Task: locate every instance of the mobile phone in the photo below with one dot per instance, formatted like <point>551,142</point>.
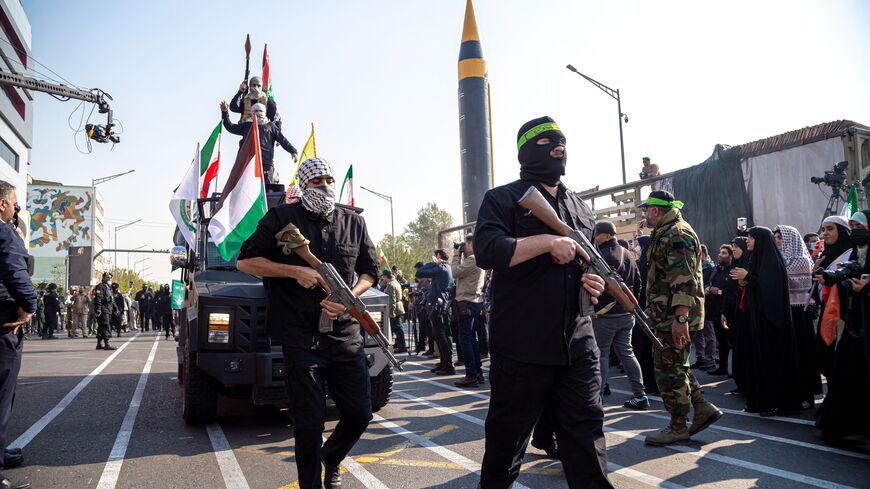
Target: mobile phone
<point>742,222</point>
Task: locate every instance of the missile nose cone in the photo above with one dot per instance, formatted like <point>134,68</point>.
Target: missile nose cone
<point>469,28</point>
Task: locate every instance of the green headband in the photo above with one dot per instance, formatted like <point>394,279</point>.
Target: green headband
<point>674,204</point>
<point>531,133</point>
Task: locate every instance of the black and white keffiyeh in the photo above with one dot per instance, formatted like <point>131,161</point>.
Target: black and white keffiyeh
<point>319,200</point>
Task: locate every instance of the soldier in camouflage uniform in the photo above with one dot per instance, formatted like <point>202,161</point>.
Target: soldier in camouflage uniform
<point>675,296</point>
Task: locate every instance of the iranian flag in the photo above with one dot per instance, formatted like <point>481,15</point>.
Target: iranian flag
<point>347,184</point>
<point>851,205</point>
<point>243,200</point>
<point>384,256</point>
<point>183,201</point>
<point>267,74</point>
<point>209,160</point>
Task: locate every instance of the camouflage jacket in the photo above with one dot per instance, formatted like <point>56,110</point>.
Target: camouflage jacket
<point>675,273</point>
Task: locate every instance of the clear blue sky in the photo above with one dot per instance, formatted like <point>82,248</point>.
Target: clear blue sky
<point>378,79</point>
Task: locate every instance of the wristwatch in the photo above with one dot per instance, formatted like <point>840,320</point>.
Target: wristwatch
<point>682,319</point>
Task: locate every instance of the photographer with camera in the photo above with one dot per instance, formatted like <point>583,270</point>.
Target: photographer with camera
<point>828,298</point>
<point>843,412</point>
<point>469,302</point>
<point>437,303</point>
<point>425,341</point>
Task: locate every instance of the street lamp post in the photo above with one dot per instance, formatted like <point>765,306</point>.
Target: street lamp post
<point>615,94</point>
<point>128,254</point>
<point>118,228</point>
<point>392,222</point>
<point>94,183</point>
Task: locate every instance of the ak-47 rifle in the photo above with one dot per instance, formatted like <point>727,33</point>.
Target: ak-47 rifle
<point>292,241</point>
<point>247,62</point>
<point>614,284</point>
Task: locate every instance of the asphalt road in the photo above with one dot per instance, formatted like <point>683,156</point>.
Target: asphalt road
<point>91,418</point>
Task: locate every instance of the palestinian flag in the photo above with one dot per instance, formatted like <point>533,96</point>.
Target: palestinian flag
<point>309,151</point>
<point>267,74</point>
<point>243,200</point>
<point>348,184</point>
<point>209,160</point>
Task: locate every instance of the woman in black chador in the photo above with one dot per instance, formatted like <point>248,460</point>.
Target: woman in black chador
<point>767,337</point>
<point>735,318</point>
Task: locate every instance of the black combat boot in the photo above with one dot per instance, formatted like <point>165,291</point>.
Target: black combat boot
<point>108,346</point>
<point>99,344</point>
<point>331,477</point>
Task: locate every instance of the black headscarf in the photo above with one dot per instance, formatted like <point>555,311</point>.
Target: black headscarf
<point>743,261</point>
<point>843,244</point>
<point>536,164</point>
<point>767,268</point>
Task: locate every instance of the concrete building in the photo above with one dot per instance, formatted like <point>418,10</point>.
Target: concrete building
<point>16,104</point>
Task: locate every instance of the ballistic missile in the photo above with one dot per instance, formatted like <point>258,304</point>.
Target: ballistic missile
<point>475,131</point>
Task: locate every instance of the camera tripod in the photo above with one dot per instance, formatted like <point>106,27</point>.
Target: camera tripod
<point>835,203</point>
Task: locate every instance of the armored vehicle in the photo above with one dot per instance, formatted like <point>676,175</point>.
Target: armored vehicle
<point>223,347</point>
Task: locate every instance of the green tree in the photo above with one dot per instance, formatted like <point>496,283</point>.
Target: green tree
<point>430,220</point>
<point>128,280</point>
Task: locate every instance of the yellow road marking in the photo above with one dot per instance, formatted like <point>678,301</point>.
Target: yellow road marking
<point>382,456</point>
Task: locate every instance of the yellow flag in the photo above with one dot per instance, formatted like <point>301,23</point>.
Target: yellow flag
<point>309,151</point>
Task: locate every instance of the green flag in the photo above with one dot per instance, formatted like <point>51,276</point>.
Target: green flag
<point>177,294</point>
<point>851,206</point>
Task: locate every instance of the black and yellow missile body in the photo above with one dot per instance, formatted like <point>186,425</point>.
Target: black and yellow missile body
<point>475,131</point>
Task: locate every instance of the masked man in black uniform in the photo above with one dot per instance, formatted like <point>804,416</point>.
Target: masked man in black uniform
<point>120,305</point>
<point>270,135</point>
<point>141,297</point>
<point>542,345</point>
<point>340,237</point>
<point>104,309</point>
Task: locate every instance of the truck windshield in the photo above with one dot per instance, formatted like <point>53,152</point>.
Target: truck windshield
<point>213,260</point>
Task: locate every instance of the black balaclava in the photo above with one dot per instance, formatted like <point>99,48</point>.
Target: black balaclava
<point>536,164</point>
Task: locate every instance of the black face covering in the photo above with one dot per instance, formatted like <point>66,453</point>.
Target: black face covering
<point>536,164</point>
<point>860,237</point>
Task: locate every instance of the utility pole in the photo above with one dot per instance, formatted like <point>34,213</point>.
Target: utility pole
<point>392,222</point>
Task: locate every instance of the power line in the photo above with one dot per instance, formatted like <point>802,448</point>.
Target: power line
<point>28,55</point>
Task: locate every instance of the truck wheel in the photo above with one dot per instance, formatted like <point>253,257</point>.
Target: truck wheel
<point>199,393</point>
<point>382,388</point>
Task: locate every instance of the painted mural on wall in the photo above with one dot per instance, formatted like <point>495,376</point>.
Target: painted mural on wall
<point>60,218</point>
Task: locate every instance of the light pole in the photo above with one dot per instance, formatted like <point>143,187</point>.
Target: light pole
<point>615,94</point>
<point>128,254</point>
<point>392,222</point>
<point>94,183</point>
<point>118,228</point>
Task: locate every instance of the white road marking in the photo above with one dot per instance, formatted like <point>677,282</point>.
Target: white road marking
<point>737,412</point>
<point>116,457</point>
<point>28,436</point>
<point>612,467</point>
<point>752,434</point>
<point>462,461</point>
<point>226,459</point>
<point>704,454</point>
<point>696,452</point>
<point>369,481</point>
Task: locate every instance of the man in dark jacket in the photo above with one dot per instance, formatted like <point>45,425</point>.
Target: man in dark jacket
<point>542,344</point>
<point>613,324</point>
<point>52,312</point>
<point>17,305</point>
<point>714,294</point>
<point>104,310</point>
<point>120,308</point>
<point>436,303</point>
<point>269,134</point>
<point>142,299</point>
<point>164,310</point>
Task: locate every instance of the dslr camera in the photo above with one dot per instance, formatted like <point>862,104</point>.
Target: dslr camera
<point>847,270</point>
<point>460,247</point>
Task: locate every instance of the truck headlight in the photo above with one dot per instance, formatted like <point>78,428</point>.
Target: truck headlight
<point>218,327</point>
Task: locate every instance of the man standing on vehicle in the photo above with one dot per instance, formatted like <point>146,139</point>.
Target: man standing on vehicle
<point>339,237</point>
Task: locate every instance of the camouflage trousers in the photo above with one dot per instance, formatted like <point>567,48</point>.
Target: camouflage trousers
<point>678,387</point>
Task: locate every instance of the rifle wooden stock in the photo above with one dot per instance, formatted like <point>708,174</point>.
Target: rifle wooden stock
<point>534,201</point>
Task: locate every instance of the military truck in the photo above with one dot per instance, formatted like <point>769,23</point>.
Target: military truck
<point>223,347</point>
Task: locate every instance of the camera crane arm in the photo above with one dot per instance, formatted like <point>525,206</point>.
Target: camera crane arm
<point>94,96</point>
